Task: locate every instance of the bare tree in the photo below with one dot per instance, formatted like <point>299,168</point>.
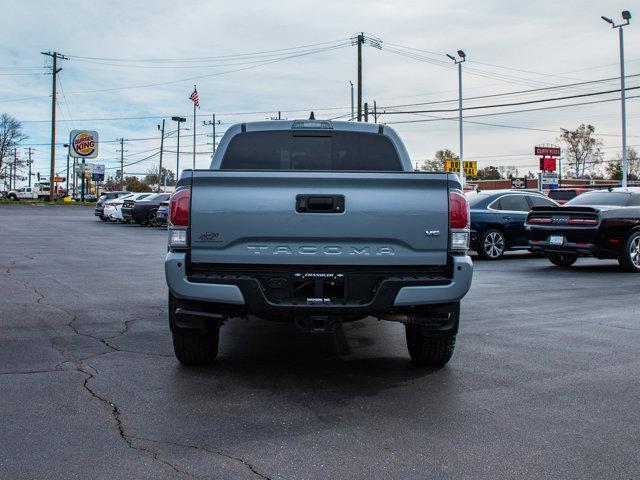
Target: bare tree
<point>508,171</point>
<point>437,164</point>
<point>584,151</point>
<point>152,177</point>
<point>614,168</point>
<point>10,138</point>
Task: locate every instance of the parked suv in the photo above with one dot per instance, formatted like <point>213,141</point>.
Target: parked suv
<point>316,223</point>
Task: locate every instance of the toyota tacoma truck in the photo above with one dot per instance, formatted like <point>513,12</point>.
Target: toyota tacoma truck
<point>316,222</point>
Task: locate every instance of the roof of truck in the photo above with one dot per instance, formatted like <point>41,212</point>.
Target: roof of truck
<point>318,124</point>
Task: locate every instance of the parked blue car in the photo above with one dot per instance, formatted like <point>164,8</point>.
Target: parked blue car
<point>497,220</point>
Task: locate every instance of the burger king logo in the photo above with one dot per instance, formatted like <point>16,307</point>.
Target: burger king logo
<point>84,144</point>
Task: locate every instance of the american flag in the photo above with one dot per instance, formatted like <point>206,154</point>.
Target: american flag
<point>194,97</point>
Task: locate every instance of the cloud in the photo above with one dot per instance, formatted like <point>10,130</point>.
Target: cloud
<point>566,40</point>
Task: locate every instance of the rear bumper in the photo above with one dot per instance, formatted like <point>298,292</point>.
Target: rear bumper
<point>393,292</point>
<point>568,248</point>
<point>576,241</point>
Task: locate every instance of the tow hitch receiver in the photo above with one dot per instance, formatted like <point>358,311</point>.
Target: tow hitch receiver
<point>316,324</point>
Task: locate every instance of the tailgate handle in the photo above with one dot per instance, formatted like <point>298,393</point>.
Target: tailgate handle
<point>320,203</point>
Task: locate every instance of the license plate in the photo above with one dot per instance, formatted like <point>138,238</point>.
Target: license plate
<point>556,239</point>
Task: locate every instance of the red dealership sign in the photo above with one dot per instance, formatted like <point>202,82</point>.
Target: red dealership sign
<point>547,151</point>
<point>548,164</point>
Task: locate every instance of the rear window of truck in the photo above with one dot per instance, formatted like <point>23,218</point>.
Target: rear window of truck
<point>311,151</point>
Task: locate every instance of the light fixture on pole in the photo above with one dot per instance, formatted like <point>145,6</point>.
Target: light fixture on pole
<point>462,57</point>
<point>179,120</point>
<point>626,16</point>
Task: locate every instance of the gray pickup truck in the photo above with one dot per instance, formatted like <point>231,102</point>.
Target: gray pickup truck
<point>316,222</point>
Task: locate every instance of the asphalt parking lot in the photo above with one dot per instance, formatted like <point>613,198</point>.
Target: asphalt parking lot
<point>543,384</point>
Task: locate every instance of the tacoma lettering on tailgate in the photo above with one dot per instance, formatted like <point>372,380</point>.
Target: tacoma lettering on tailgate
<point>313,250</point>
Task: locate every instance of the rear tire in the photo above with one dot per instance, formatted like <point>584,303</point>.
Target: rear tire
<point>492,245</point>
<point>429,350</point>
<point>151,220</point>
<point>560,260</point>
<point>13,197</point>
<point>196,348</point>
<point>629,258</point>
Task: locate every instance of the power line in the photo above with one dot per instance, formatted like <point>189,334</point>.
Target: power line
<point>269,62</point>
<point>518,92</point>
<point>499,105</point>
<point>190,59</point>
<point>433,118</point>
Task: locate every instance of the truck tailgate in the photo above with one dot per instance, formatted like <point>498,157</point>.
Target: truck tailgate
<point>260,217</point>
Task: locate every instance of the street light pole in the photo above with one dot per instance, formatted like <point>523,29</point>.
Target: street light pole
<point>459,61</point>
<point>626,16</point>
<point>179,120</point>
<point>66,145</point>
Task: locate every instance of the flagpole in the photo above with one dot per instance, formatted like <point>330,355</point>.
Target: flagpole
<point>194,131</point>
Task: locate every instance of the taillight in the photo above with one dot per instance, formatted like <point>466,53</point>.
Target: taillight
<point>582,221</point>
<point>458,210</point>
<point>179,208</point>
<point>459,221</point>
<point>540,220</point>
<point>179,218</point>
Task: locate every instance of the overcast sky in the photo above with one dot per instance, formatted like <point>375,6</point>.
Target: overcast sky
<point>510,46</point>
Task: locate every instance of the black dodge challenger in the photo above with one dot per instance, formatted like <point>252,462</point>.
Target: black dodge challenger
<point>600,224</point>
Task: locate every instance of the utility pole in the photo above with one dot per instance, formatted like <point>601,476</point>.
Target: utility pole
<point>352,105</point>
<point>375,112</point>
<point>179,120</point>
<point>29,167</point>
<point>459,61</point>
<point>121,164</point>
<point>54,72</point>
<point>366,112</point>
<point>626,16</point>
<point>15,166</point>
<point>194,130</point>
<point>213,125</point>
<point>360,41</point>
<point>161,149</point>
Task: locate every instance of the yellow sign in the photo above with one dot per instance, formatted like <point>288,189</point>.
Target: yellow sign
<point>470,167</point>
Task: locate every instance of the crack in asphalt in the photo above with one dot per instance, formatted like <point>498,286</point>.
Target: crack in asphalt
<point>239,460</point>
<point>116,415</point>
<point>79,365</point>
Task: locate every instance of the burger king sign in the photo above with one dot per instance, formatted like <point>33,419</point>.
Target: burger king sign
<point>83,144</point>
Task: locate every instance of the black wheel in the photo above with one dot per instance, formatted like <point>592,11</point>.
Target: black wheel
<point>196,348</point>
<point>492,245</point>
<point>103,218</point>
<point>630,255</point>
<point>562,260</point>
<point>193,347</point>
<point>151,219</point>
<point>13,197</point>
<point>428,350</point>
